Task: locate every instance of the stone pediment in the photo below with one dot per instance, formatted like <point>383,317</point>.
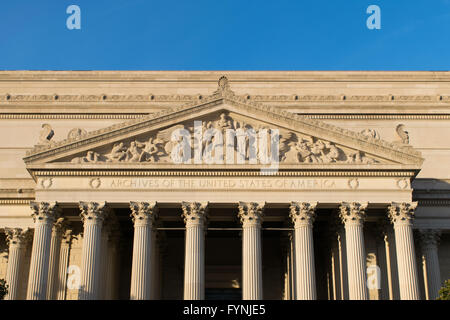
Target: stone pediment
<point>148,140</point>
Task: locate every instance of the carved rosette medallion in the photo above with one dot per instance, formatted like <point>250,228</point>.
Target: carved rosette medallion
<point>353,213</point>
<point>194,213</point>
<point>143,213</point>
<point>402,213</point>
<point>251,213</point>
<point>353,183</point>
<point>402,183</point>
<point>302,213</point>
<point>95,183</point>
<point>46,183</point>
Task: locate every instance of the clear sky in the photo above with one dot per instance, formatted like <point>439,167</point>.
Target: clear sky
<point>225,35</point>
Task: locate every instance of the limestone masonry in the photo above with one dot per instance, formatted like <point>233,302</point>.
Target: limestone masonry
<point>93,204</point>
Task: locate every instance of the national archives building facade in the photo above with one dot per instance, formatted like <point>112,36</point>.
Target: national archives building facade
<point>94,205</point>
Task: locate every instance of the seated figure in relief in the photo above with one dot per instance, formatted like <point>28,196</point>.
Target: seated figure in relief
<point>118,153</point>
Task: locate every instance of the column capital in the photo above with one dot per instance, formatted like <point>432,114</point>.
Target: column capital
<point>429,237</point>
<point>93,212</point>
<point>194,213</point>
<point>251,213</point>
<point>353,213</point>
<point>402,213</point>
<point>381,230</point>
<point>68,236</point>
<point>18,236</point>
<point>302,213</point>
<point>44,212</point>
<point>60,225</point>
<point>143,213</point>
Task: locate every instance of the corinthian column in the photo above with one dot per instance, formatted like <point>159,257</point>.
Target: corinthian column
<point>17,240</point>
<point>402,215</point>
<point>44,215</point>
<point>63,264</point>
<point>353,215</point>
<point>143,216</point>
<point>92,215</point>
<point>429,240</point>
<point>113,261</point>
<point>302,215</point>
<point>250,214</point>
<point>53,267</point>
<point>194,215</point>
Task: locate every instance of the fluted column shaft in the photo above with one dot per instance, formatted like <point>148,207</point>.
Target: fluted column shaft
<point>155,267</point>
<point>53,266</point>
<point>17,239</point>
<point>429,244</point>
<point>63,264</point>
<point>353,215</point>
<point>104,266</point>
<point>302,215</point>
<point>44,215</point>
<point>93,215</point>
<point>251,215</point>
<point>402,215</point>
<point>143,214</point>
<point>194,215</point>
<point>111,277</point>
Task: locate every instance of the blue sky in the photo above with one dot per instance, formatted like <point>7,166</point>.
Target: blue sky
<point>225,35</point>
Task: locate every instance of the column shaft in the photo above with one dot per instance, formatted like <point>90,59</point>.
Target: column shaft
<point>44,215</point>
<point>17,239</point>
<point>53,268</point>
<point>302,215</point>
<point>93,215</point>
<point>429,244</point>
<point>143,214</point>
<point>251,219</point>
<point>401,215</point>
<point>353,215</point>
<point>63,265</point>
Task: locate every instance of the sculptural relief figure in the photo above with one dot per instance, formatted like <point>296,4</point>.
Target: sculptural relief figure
<point>118,153</point>
<point>293,147</point>
<point>333,153</point>
<point>371,133</point>
<point>224,122</point>
<point>313,150</point>
<point>133,152</point>
<point>359,157</point>
<point>304,152</point>
<point>76,133</point>
<point>91,156</point>
<point>152,150</point>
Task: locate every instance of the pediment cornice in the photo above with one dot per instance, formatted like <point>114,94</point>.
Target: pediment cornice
<point>395,153</point>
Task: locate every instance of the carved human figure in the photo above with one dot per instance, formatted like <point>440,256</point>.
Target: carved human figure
<point>91,156</point>
<point>318,149</point>
<point>152,150</point>
<point>304,152</point>
<point>333,153</point>
<point>118,153</point>
<point>224,122</point>
<point>133,152</point>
